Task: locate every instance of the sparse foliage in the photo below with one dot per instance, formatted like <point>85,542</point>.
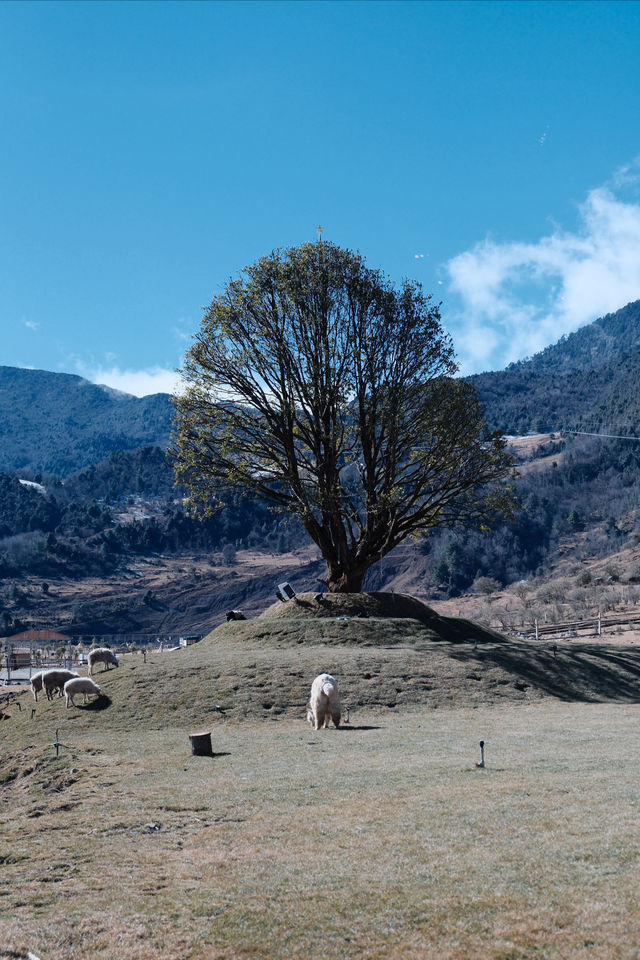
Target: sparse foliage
<point>229,554</point>
<point>485,585</point>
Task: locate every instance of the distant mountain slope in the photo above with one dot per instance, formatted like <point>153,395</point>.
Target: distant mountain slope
<point>59,423</point>
<point>125,473</point>
<point>587,380</point>
<point>593,346</point>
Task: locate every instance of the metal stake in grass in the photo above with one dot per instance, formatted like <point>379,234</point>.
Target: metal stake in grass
<point>481,764</point>
<point>56,743</point>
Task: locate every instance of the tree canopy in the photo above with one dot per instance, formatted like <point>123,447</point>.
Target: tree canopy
<point>316,384</point>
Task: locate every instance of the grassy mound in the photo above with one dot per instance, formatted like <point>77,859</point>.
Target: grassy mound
<point>361,605</point>
<point>263,668</point>
<point>364,619</point>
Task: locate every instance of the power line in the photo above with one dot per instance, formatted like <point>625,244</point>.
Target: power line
<point>605,436</point>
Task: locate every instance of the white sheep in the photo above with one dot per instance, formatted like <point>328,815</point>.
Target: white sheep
<point>36,684</point>
<point>101,655</point>
<point>324,703</point>
<point>53,680</point>
<point>83,685</point>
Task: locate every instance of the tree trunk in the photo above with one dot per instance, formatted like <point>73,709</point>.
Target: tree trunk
<point>345,581</point>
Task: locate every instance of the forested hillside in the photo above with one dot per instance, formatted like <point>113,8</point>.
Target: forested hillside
<point>58,423</point>
<point>586,381</point>
<point>128,505</point>
<point>67,511</point>
<point>596,345</point>
<point>583,499</point>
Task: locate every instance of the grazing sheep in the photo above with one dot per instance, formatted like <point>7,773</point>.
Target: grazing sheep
<point>36,684</point>
<point>235,615</point>
<point>324,703</point>
<point>53,680</point>
<point>101,655</point>
<point>81,685</point>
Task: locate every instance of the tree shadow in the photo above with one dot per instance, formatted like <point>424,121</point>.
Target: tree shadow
<point>301,602</point>
<point>588,673</point>
<point>461,630</point>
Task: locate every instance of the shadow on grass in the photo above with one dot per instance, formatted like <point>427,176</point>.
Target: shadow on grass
<point>461,630</point>
<point>358,728</point>
<point>588,673</point>
<point>103,702</point>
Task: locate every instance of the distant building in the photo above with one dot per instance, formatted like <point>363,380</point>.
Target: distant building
<point>21,647</point>
<point>37,637</point>
<point>190,639</point>
<point>19,658</point>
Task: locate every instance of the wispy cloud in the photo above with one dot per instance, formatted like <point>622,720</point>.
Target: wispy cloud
<point>139,383</point>
<point>183,330</point>
<point>31,324</point>
<point>516,298</point>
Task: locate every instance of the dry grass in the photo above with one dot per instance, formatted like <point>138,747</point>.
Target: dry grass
<point>380,840</point>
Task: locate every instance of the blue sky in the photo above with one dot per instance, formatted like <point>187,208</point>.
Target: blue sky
<point>151,150</point>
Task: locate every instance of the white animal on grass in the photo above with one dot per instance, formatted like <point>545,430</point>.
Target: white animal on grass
<point>324,704</point>
<point>36,684</point>
<point>53,680</point>
<point>101,655</point>
<point>83,685</point>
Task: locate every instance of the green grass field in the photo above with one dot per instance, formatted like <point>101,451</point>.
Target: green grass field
<point>379,840</point>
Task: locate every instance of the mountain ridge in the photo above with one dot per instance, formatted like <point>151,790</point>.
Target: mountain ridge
<point>59,423</point>
<point>587,380</point>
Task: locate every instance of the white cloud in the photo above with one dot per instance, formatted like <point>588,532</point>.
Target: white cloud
<point>140,383</point>
<point>31,324</point>
<point>517,298</point>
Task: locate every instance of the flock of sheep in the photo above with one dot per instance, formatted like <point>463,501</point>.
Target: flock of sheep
<point>324,703</point>
<point>68,682</point>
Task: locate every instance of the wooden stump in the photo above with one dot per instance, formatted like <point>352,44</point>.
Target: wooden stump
<point>201,744</point>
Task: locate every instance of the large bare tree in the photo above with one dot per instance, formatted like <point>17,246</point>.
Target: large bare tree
<point>316,384</point>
